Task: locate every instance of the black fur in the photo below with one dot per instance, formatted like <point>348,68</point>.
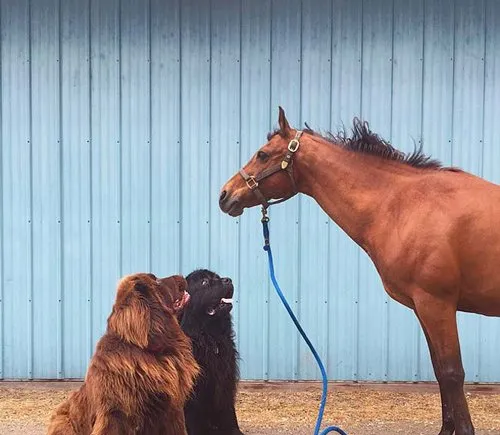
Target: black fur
<point>207,321</point>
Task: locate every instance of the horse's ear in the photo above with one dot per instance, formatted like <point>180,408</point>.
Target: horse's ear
<point>284,126</point>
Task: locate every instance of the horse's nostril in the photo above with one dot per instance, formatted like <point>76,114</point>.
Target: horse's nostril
<point>226,280</point>
<point>222,195</point>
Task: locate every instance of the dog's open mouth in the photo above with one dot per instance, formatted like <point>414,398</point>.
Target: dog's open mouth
<point>179,304</point>
<point>225,304</point>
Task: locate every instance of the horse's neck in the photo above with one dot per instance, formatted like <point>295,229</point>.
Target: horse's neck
<point>348,186</point>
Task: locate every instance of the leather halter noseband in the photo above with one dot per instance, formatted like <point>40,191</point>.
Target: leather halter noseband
<point>286,165</point>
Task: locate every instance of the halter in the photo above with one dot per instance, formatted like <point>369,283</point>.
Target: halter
<point>286,164</point>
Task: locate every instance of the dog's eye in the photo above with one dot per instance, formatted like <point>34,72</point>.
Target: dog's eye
<point>204,283</point>
<point>262,156</point>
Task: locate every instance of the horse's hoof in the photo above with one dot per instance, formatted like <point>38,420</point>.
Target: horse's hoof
<point>447,430</point>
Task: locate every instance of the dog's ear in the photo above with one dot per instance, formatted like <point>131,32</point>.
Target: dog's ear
<point>131,316</point>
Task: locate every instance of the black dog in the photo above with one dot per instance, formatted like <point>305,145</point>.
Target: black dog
<point>207,321</point>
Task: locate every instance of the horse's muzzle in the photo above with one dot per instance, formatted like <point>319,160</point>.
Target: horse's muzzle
<point>229,205</point>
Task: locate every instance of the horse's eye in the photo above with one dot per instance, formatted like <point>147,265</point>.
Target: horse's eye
<point>204,283</point>
<point>263,156</point>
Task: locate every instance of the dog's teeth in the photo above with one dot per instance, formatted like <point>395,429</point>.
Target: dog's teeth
<point>227,301</point>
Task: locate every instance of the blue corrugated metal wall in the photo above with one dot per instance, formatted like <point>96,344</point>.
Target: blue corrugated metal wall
<point>121,119</point>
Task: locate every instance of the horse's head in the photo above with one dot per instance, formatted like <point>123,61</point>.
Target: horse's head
<point>267,175</point>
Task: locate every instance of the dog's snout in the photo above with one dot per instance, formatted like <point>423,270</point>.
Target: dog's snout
<point>226,281</point>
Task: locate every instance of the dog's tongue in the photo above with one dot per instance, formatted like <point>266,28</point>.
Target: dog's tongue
<point>227,300</point>
<point>180,303</point>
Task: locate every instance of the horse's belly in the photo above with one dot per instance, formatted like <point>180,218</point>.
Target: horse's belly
<point>480,301</point>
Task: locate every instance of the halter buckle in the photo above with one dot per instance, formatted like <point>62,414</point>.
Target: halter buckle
<point>293,145</point>
<point>252,183</point>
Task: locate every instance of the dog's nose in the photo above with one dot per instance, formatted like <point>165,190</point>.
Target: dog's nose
<point>226,281</point>
<point>222,196</point>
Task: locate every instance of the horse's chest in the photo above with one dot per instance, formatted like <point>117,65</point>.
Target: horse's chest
<point>399,296</point>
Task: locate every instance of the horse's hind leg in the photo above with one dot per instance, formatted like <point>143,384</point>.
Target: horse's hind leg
<point>438,319</point>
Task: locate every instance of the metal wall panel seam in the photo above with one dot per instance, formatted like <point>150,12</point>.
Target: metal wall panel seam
<point>283,77</point>
<point>438,94</point>
<point>106,175</point>
<point>255,68</point>
<point>296,363</point>
<point>31,281</point>
<point>481,169</point>
<point>452,131</point>
<point>196,71</point>
<point>16,189</point>
<point>481,173</point>
<point>165,141</point>
<point>377,106</point>
<point>485,35</point>
<point>345,91</point>
<point>326,358</point>
<point>362,36</point>
<point>91,232</point>
<point>406,122</point>
<point>265,332</point>
<point>210,132</point>
<point>91,217</point>
<point>240,90</point>
<point>46,219</point>
<point>135,140</point>
<point>179,210</point>
<point>391,129</point>
<point>417,329</point>
<point>356,356</point>
<point>2,341</point>
<point>120,136</point>
<point>60,326</point>
<point>150,141</point>
<point>75,184</point>
<point>179,137</point>
<point>469,38</point>
<point>326,336</point>
<point>490,341</point>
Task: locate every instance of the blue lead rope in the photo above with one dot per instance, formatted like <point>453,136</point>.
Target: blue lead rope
<point>267,248</point>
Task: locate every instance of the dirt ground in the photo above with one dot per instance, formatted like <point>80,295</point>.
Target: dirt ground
<point>287,408</point>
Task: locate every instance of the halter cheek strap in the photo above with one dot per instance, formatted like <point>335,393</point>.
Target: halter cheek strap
<point>286,164</point>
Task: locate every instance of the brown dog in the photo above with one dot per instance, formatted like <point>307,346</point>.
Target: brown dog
<point>143,368</point>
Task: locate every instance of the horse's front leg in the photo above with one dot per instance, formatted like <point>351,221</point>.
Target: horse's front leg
<point>448,425</point>
<point>438,320</point>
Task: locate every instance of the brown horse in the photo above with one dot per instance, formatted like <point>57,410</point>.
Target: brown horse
<point>432,232</point>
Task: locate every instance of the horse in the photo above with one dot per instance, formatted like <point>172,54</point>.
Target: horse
<point>431,231</point>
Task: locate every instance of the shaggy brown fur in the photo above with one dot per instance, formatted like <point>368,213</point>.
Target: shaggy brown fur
<point>143,368</point>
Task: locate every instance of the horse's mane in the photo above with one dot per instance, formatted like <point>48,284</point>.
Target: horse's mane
<point>363,140</point>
